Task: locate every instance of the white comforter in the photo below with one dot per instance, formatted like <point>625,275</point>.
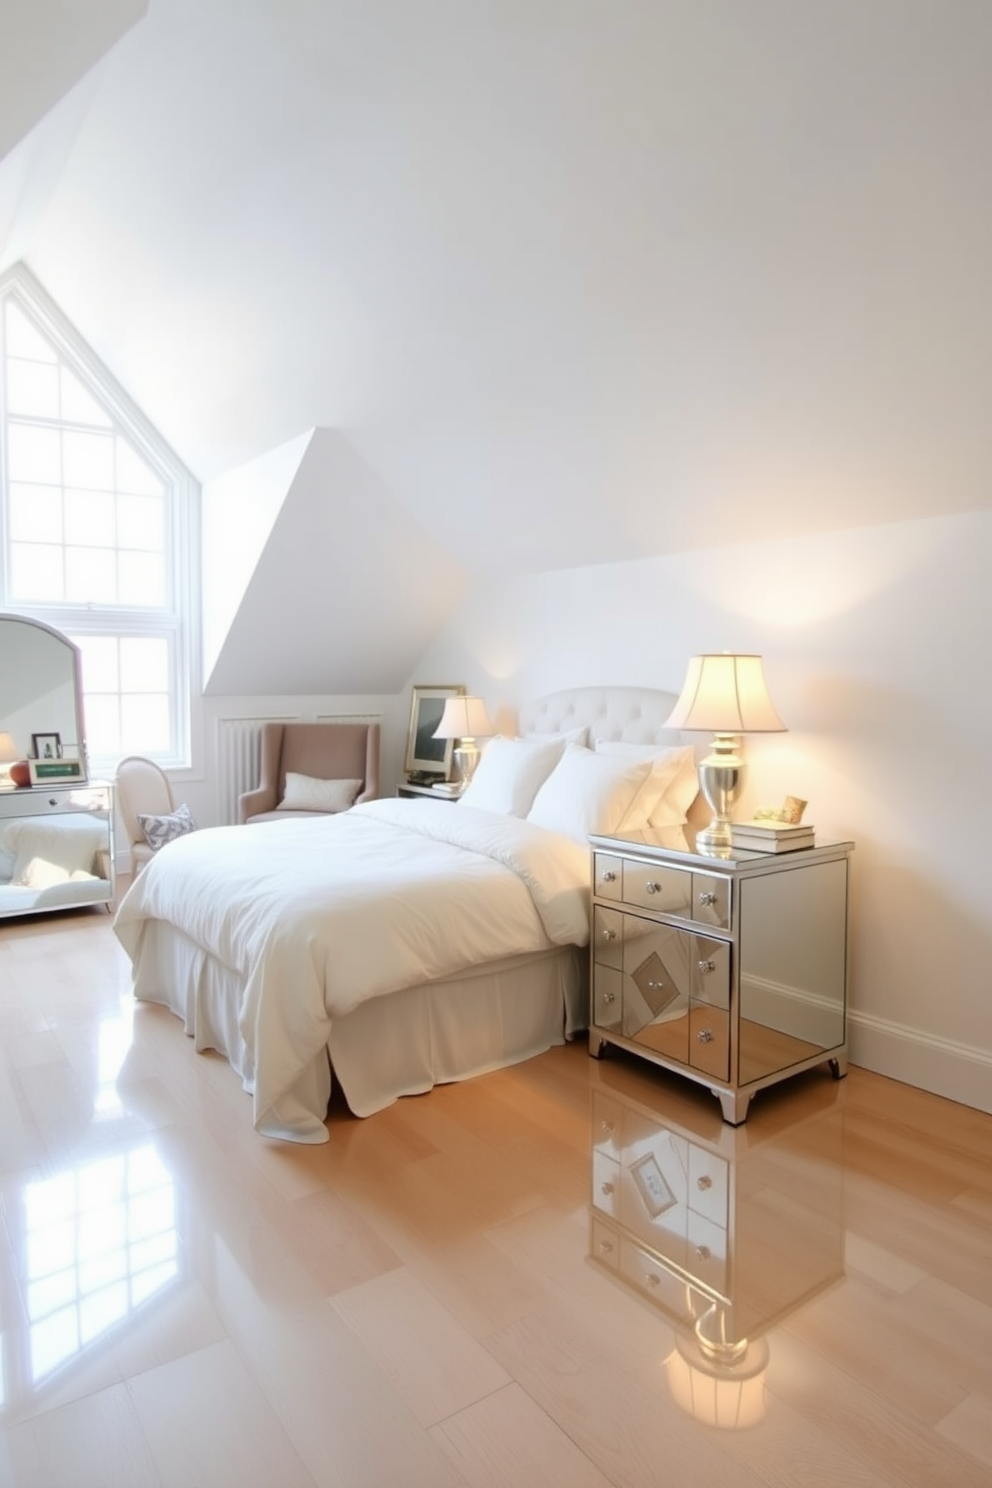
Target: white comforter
<point>318,916</point>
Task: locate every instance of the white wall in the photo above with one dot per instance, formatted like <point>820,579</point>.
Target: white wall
<point>876,654</point>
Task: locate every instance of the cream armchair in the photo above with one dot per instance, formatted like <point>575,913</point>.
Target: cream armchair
<point>320,751</point>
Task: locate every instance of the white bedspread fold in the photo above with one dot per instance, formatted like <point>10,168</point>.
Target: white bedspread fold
<point>320,916</point>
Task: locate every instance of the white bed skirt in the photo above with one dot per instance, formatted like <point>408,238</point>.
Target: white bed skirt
<point>400,1044</point>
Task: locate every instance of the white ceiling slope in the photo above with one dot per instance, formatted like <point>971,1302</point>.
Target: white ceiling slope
<point>348,591</point>
<point>577,281</point>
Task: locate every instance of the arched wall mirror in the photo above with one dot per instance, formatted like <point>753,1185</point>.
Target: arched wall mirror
<point>41,698</point>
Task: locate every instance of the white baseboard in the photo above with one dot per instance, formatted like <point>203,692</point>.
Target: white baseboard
<point>959,1072</point>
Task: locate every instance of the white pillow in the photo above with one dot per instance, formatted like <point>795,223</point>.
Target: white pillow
<point>510,773</point>
<point>307,793</point>
<point>667,793</point>
<point>587,792</point>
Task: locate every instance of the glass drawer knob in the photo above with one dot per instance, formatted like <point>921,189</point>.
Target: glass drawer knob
<point>707,898</point>
<point>605,1246</point>
<point>609,997</point>
<point>609,935</point>
<point>655,986</point>
<point>704,1183</point>
<point>705,966</point>
<point>608,1126</point>
<point>607,1189</point>
<point>652,888</point>
<point>652,1279</point>
<point>704,1036</point>
<point>703,1252</point>
<point>609,876</point>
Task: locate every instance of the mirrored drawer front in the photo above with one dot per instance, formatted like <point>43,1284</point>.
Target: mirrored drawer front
<point>607,936</point>
<point>709,1040</point>
<point>711,900</point>
<point>667,890</point>
<point>607,876</point>
<point>640,1268</point>
<point>706,1253</point>
<point>604,1244</point>
<point>710,971</point>
<point>606,1183</point>
<point>708,1185</point>
<point>607,998</point>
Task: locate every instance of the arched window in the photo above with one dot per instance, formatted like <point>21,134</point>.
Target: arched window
<point>95,521</point>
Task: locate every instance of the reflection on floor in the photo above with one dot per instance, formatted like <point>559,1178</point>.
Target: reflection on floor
<point>569,1273</point>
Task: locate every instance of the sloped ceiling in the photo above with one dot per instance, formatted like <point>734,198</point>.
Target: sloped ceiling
<point>576,281</point>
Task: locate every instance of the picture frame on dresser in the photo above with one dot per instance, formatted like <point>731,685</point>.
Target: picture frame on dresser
<point>426,755</point>
<point>60,771</point>
<point>46,746</point>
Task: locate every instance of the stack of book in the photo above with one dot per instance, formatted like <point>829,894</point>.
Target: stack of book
<point>771,836</point>
<point>448,787</point>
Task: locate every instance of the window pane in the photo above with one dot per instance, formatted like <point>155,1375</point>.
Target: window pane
<point>142,579</point>
<point>90,518</point>
<point>141,522</point>
<point>35,572</point>
<point>133,474</point>
<point>22,338</point>
<point>79,406</point>
<point>35,513</point>
<point>103,728</point>
<point>144,664</point>
<point>88,460</point>
<point>33,454</point>
<point>100,665</point>
<point>145,724</point>
<point>91,576</point>
<point>32,388</point>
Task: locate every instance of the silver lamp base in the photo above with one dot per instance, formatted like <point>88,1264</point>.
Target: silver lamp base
<point>466,758</point>
<point>721,777</point>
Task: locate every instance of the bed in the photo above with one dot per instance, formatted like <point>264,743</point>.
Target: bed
<point>403,943</point>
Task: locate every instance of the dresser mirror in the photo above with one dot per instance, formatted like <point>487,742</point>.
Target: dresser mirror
<point>40,690</point>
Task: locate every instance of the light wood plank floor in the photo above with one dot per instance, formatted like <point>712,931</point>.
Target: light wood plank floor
<point>421,1302</point>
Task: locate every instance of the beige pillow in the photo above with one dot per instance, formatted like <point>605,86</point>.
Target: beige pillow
<point>306,793</point>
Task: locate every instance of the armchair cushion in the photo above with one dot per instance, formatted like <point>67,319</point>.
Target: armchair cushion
<point>305,793</point>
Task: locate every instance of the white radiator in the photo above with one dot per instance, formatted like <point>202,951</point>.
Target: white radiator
<point>239,755</point>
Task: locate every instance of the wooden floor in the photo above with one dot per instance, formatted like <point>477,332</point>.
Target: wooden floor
<point>413,1305</point>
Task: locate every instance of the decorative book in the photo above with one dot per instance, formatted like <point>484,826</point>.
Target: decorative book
<point>768,837</point>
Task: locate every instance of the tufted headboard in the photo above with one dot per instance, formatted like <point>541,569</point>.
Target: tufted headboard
<point>634,714</point>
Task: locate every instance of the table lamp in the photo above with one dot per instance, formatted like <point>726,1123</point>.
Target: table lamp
<point>724,694</point>
<point>465,720</point>
<point>8,754</point>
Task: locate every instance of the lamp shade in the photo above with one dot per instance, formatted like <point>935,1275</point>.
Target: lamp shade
<point>725,694</point>
<point>464,718</point>
<point>8,749</point>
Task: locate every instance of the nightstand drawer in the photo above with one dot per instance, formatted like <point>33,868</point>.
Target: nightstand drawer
<point>607,876</point>
<point>711,900</point>
<point>640,1268</point>
<point>709,1040</point>
<point>606,1184</point>
<point>607,997</point>
<point>708,1185</point>
<point>666,890</point>
<point>607,936</point>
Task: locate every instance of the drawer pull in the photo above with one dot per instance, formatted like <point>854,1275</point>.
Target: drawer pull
<point>703,1252</point>
<point>704,1183</point>
<point>652,1279</point>
<point>609,876</point>
<point>656,986</point>
<point>707,898</point>
<point>609,935</point>
<point>609,997</point>
<point>704,1036</point>
<point>606,1246</point>
<point>606,1189</point>
<point>608,1126</point>
<point>651,887</point>
<point>705,966</point>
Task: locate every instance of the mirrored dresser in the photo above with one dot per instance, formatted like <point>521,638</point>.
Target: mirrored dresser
<point>732,970</point>
<point>56,825</point>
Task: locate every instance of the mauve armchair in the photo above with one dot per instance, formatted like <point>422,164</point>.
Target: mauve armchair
<point>320,751</point>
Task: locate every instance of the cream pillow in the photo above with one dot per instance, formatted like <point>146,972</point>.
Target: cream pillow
<point>307,793</point>
<point>670,788</point>
<point>587,792</point>
<point>510,773</point>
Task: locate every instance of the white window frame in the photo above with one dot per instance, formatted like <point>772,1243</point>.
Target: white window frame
<point>178,620</point>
